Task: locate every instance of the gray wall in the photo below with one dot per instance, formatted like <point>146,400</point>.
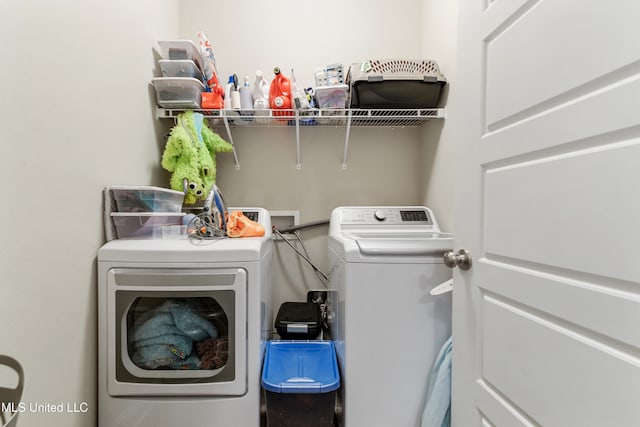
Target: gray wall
<point>438,165</point>
<point>76,113</point>
<point>384,165</point>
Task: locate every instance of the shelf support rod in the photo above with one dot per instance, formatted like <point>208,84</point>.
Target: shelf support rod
<point>298,164</point>
<point>346,142</point>
<point>226,126</point>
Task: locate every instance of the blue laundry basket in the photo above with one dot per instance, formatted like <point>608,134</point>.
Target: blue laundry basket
<point>300,379</point>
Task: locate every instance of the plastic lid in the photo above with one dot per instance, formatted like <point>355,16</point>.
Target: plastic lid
<point>308,367</point>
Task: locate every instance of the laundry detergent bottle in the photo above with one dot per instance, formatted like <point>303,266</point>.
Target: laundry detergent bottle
<point>280,94</point>
<point>260,92</point>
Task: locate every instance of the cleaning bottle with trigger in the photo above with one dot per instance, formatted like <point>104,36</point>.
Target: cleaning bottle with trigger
<point>300,101</point>
<point>246,99</point>
<point>227,93</point>
<point>280,94</point>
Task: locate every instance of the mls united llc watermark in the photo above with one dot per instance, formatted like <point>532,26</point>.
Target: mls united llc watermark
<point>46,407</point>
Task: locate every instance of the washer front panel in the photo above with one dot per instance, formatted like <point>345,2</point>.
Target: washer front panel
<point>148,305</point>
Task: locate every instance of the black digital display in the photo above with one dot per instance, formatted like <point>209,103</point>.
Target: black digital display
<point>414,216</point>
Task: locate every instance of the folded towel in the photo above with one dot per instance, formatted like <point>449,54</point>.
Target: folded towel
<point>437,411</point>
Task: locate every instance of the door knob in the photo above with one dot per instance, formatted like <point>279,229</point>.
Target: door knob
<point>462,259</point>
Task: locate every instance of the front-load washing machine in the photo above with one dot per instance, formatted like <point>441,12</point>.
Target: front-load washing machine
<point>182,327</point>
<point>387,327</point>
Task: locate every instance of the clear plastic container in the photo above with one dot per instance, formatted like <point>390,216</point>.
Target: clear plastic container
<point>180,68</point>
<point>181,49</point>
<point>143,225</point>
<point>146,199</point>
<point>332,96</point>
<point>178,92</point>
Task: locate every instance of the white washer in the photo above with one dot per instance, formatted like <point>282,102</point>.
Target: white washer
<point>226,282</point>
<point>387,326</point>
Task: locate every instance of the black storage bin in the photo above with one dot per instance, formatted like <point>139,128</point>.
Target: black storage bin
<point>300,381</point>
<point>395,84</point>
<point>299,320</point>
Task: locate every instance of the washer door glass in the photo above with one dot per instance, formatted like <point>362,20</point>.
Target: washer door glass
<point>167,334</point>
<point>176,331</point>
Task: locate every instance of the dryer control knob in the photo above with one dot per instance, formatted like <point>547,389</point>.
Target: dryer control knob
<point>379,215</point>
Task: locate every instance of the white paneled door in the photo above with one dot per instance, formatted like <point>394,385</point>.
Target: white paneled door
<point>547,319</point>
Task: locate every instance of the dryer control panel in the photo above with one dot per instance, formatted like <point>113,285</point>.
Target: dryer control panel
<point>385,216</point>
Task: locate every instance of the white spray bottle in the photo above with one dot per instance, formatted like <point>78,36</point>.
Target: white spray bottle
<point>246,99</point>
<point>227,93</point>
<point>300,101</point>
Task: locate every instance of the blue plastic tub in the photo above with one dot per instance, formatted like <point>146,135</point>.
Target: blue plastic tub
<point>300,379</point>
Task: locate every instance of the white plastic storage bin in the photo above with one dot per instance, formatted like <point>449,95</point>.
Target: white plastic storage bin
<point>332,96</point>
<point>178,92</point>
<point>144,225</point>
<point>181,49</point>
<point>180,68</point>
<point>146,199</point>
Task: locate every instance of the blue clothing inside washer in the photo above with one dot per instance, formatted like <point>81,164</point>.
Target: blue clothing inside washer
<point>164,336</point>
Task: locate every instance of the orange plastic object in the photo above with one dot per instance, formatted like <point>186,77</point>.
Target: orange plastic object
<point>239,225</point>
<point>212,100</point>
<point>280,94</point>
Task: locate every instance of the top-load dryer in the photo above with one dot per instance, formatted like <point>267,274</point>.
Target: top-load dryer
<point>388,328</point>
<point>182,327</point>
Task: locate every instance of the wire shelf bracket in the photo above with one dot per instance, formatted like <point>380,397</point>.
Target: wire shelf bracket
<point>313,118</point>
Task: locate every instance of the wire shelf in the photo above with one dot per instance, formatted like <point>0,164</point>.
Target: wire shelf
<point>315,117</point>
<point>295,119</point>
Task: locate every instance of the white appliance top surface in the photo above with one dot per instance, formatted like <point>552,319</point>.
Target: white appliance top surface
<point>191,250</point>
<point>383,233</point>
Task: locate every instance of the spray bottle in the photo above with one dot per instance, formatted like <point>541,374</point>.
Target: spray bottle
<point>300,101</point>
<point>227,93</point>
<point>246,99</point>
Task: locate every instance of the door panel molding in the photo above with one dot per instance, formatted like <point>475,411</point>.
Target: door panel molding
<point>608,309</point>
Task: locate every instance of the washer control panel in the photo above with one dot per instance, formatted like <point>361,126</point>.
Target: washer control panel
<point>386,216</point>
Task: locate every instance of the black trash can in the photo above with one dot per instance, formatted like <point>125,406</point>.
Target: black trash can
<point>300,379</point>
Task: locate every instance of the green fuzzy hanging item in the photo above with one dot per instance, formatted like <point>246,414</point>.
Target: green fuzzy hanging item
<point>190,155</point>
